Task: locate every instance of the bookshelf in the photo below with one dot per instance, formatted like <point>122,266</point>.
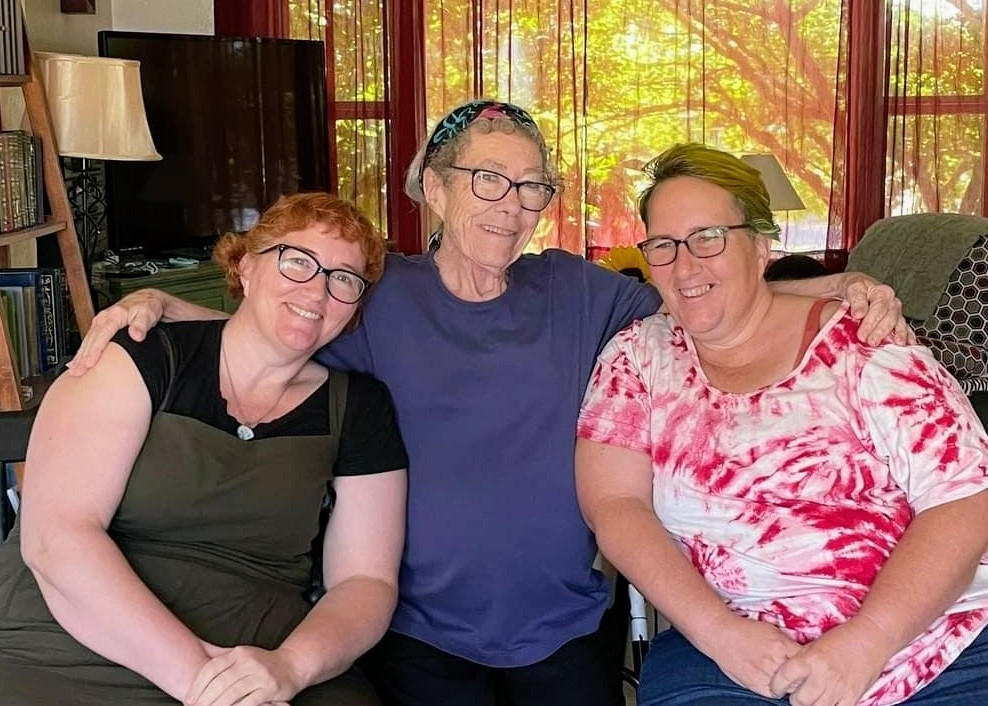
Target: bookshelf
<point>60,224</point>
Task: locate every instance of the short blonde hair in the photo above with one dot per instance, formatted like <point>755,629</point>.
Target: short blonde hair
<point>717,167</point>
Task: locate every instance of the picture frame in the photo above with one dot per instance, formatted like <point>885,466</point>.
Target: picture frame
<point>78,7</point>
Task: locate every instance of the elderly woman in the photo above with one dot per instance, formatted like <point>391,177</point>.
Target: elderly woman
<point>809,512</point>
<point>487,353</point>
<point>172,496</point>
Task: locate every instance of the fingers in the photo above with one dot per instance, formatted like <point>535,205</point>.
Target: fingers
<point>788,677</point>
<point>138,313</point>
<point>880,312</point>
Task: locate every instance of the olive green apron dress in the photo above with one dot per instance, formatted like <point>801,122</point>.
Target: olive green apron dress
<point>220,530</point>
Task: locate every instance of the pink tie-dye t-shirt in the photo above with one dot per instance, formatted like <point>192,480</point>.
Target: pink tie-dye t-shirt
<point>790,499</point>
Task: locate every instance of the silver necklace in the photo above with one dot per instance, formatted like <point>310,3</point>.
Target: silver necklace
<point>245,431</point>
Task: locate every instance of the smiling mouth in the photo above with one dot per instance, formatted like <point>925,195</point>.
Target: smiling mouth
<point>694,292</point>
<point>494,230</point>
<point>304,313</point>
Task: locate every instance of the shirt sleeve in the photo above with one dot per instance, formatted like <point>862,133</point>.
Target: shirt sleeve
<point>625,298</point>
<point>347,352</point>
<point>922,423</point>
<point>616,407</point>
<point>151,358</point>
<point>369,439</point>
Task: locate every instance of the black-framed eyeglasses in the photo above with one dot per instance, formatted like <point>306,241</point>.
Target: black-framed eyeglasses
<point>301,266</point>
<point>702,242</point>
<point>489,185</point>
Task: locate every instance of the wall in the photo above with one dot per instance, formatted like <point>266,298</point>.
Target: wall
<point>50,30</point>
<point>174,16</point>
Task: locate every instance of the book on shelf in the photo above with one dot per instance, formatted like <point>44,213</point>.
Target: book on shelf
<point>21,189</point>
<point>35,315</point>
<point>12,60</point>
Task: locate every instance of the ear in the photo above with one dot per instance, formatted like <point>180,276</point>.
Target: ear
<point>763,251</point>
<point>434,190</point>
<point>246,270</point>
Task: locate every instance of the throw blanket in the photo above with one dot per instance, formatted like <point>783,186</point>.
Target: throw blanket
<point>916,255</point>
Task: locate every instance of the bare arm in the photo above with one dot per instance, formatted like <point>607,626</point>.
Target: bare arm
<point>364,540</point>
<point>874,303</point>
<point>927,571</point>
<point>138,312</point>
<point>73,484</point>
<point>614,487</point>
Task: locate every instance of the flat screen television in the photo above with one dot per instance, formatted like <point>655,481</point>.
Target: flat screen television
<point>238,122</point>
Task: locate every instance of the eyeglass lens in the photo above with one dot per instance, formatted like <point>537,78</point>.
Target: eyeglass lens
<point>299,266</point>
<point>707,242</point>
<point>492,186</point>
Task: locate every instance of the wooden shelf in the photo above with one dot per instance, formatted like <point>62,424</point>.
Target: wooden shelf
<point>33,233</point>
<point>61,224</point>
<point>14,79</point>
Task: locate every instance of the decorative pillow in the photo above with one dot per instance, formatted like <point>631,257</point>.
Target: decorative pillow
<point>957,332</point>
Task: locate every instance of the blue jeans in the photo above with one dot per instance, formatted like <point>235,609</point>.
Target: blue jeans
<point>677,674</point>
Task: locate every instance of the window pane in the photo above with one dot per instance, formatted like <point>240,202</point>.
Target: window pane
<point>744,77</point>
<point>937,48</point>
<point>949,179</point>
<point>358,46</point>
<point>307,19</point>
<point>360,151</point>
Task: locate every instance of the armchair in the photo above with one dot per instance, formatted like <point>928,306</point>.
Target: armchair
<point>938,265</point>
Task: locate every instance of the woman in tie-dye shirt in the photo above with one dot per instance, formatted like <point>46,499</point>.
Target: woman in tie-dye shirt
<point>809,512</point>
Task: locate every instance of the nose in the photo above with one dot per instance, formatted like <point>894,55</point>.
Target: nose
<point>685,262</point>
<point>511,201</point>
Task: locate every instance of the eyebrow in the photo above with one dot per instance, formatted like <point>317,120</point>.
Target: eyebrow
<point>342,266</point>
<point>491,164</point>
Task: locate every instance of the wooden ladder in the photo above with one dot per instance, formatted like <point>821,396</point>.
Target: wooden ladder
<point>60,223</point>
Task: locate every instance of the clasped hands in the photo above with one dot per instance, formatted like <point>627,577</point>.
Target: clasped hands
<point>245,676</point>
<point>834,670</point>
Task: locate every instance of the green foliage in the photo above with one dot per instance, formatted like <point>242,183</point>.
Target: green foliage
<point>615,87</point>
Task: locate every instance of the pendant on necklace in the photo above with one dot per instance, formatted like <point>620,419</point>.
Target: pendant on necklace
<point>245,433</point>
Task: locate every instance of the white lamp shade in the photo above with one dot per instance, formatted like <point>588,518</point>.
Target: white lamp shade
<point>97,107</point>
<point>781,194</point>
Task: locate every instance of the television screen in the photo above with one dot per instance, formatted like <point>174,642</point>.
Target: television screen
<point>238,122</point>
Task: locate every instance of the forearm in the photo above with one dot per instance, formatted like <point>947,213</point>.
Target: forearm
<point>345,623</point>
<point>96,597</point>
<point>175,309</point>
<point>635,542</point>
<point>928,570</point>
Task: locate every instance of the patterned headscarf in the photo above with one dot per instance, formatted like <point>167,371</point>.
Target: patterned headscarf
<point>460,118</point>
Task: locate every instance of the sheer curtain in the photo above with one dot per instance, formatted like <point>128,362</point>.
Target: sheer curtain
<point>257,18</point>
<point>614,83</point>
<point>529,52</point>
<point>937,107</point>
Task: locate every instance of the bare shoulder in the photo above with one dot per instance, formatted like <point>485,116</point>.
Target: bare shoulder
<point>829,309</point>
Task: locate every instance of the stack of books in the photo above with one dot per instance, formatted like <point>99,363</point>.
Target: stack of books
<point>34,305</point>
<point>21,181</point>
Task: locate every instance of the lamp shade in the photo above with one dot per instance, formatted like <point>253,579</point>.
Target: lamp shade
<point>781,195</point>
<point>96,105</point>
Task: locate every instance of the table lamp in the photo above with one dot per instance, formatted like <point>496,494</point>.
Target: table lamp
<point>781,194</point>
<point>97,111</point>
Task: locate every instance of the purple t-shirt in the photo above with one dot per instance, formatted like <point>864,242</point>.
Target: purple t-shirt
<point>497,565</point>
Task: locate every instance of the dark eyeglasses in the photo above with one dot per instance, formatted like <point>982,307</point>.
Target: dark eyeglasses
<point>494,186</point>
<point>702,242</point>
<point>301,266</point>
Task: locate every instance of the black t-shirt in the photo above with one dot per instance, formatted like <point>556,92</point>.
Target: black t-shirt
<point>369,439</point>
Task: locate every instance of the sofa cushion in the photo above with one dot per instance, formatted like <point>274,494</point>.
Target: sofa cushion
<point>957,331</point>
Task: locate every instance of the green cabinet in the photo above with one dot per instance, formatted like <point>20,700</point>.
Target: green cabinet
<point>201,284</point>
